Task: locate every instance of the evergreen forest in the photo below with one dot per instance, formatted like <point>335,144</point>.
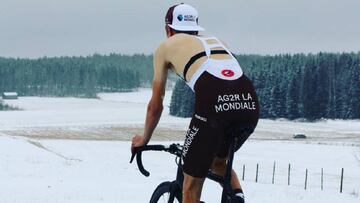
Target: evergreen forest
<point>310,86</point>
<point>75,76</point>
<point>313,86</point>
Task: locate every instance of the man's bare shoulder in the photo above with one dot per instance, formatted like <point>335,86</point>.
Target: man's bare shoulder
<point>177,40</point>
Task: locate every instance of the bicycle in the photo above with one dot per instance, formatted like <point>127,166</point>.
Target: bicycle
<point>172,191</point>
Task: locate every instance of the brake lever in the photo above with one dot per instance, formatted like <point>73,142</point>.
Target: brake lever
<point>132,157</point>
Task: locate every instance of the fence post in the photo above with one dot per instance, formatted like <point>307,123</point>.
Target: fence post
<point>243,175</point>
<point>322,179</point>
<point>273,177</point>
<point>342,179</point>
<point>289,174</point>
<point>257,172</point>
<point>306,176</point>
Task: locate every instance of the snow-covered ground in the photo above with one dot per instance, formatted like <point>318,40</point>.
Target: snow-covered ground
<point>99,171</point>
<point>116,108</point>
<point>68,170</point>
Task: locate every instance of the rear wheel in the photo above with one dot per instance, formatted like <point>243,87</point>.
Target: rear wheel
<point>163,193</point>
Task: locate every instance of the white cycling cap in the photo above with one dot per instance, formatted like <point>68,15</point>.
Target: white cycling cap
<point>183,17</point>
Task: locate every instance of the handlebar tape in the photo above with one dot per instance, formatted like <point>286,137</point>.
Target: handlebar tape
<point>138,151</point>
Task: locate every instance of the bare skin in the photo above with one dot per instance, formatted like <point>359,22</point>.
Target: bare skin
<point>173,54</point>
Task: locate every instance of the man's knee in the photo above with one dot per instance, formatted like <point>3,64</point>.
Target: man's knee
<point>219,166</point>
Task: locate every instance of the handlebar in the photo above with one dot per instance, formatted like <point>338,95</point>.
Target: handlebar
<point>175,149</point>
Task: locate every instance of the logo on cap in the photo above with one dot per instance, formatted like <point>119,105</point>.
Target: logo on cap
<point>191,18</point>
<point>227,73</point>
<point>180,17</point>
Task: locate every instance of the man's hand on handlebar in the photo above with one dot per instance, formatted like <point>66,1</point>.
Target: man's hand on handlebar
<point>137,141</point>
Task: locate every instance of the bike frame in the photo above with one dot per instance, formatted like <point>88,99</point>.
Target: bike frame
<point>176,185</point>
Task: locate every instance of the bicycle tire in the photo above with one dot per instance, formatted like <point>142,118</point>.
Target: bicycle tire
<point>162,193</point>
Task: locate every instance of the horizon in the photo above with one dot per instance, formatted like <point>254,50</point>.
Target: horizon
<point>134,54</point>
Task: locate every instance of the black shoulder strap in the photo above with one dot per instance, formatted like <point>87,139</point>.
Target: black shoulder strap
<point>191,61</point>
<point>199,55</point>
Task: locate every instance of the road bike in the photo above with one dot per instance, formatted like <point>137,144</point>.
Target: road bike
<point>171,191</point>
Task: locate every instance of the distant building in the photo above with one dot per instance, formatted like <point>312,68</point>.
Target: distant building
<point>9,95</point>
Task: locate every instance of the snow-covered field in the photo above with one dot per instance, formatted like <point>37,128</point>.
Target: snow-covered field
<point>108,116</point>
<point>38,169</point>
<point>99,171</point>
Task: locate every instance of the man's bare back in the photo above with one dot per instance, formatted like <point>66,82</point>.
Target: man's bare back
<point>177,50</point>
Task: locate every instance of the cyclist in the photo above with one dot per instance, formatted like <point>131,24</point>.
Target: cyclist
<point>224,97</point>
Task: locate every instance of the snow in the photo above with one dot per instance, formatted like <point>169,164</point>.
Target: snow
<point>66,170</point>
<point>129,109</point>
<point>111,108</point>
<point>99,171</point>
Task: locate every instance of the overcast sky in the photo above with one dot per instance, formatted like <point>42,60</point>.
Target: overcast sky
<point>37,28</point>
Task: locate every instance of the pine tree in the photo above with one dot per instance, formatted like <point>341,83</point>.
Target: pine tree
<point>331,109</point>
<point>175,97</point>
<point>293,97</point>
<point>275,102</point>
<point>309,90</point>
<point>354,93</point>
<point>322,87</point>
<point>182,100</point>
<point>342,86</point>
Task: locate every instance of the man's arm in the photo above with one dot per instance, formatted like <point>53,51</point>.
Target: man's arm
<point>155,106</point>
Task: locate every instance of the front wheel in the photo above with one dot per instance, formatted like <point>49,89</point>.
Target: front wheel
<point>163,192</point>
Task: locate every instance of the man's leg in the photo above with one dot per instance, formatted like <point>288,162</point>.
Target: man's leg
<point>192,189</point>
<point>219,168</point>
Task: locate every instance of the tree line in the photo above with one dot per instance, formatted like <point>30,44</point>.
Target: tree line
<point>75,76</point>
<point>312,86</point>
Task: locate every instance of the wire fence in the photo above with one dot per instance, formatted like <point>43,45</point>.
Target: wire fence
<point>289,175</point>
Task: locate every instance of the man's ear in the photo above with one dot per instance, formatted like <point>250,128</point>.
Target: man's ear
<point>169,31</point>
